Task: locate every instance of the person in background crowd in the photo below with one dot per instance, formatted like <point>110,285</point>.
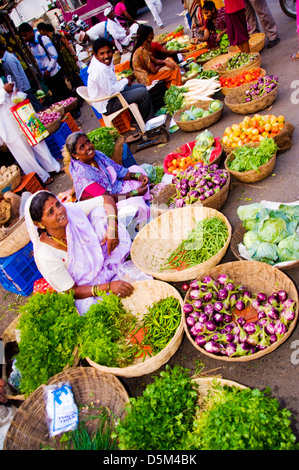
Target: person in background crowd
<point>258,10</point>
<point>236,24</point>
<point>195,14</point>
<point>79,23</point>
<point>214,25</point>
<point>12,66</point>
<point>30,159</point>
<point>46,57</point>
<point>122,14</point>
<point>146,67</point>
<point>125,35</point>
<point>155,7</point>
<point>67,57</point>
<point>102,82</point>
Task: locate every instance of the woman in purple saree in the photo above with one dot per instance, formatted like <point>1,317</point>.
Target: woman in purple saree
<point>79,247</point>
<point>95,174</point>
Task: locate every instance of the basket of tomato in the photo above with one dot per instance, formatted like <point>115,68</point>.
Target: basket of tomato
<point>241,81</point>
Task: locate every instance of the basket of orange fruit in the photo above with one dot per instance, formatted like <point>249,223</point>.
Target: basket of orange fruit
<point>183,157</point>
<point>252,130</point>
<point>241,81</point>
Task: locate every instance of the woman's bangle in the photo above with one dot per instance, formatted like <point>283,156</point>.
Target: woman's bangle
<point>134,192</point>
<point>94,291</point>
<point>112,216</point>
<point>112,228</point>
<point>135,176</point>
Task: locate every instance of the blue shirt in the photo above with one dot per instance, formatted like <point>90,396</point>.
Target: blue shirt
<point>40,54</point>
<point>13,67</point>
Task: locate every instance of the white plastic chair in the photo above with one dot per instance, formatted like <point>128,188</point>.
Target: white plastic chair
<point>83,92</point>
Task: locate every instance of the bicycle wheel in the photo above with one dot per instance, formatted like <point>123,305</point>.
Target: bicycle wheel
<point>288,7</point>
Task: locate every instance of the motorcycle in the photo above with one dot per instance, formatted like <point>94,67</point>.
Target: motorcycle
<point>288,7</point>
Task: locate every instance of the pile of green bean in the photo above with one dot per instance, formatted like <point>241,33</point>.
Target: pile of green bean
<point>202,243</point>
<point>161,322</point>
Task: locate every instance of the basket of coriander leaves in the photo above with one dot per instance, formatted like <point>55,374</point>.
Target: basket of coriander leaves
<point>252,164</point>
<point>136,335</point>
<point>101,400</point>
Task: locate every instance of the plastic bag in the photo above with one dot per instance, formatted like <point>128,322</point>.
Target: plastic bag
<point>61,410</point>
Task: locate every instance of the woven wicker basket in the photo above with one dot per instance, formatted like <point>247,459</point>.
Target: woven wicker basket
<point>154,243</point>
<point>145,294</point>
<point>283,140</point>
<point>71,107</point>
<point>256,43</point>
<point>237,238</point>
<point>11,184</point>
<point>219,64</point>
<point>5,214</point>
<point>17,238</point>
<point>234,102</point>
<point>205,384</point>
<point>252,176</point>
<point>216,201</point>
<point>28,429</point>
<point>53,126</point>
<point>257,277</point>
<point>197,124</point>
<point>242,88</point>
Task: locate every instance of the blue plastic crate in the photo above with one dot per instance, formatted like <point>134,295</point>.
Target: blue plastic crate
<point>18,272</point>
<point>56,141</point>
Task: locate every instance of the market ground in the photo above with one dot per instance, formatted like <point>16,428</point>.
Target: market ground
<point>278,370</point>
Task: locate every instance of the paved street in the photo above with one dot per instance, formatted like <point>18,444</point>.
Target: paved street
<point>278,370</point>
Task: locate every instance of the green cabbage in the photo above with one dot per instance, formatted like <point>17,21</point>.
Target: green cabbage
<point>263,251</point>
<point>249,238</point>
<point>197,112</point>
<point>288,248</point>
<point>273,230</point>
<point>207,136</point>
<point>215,105</point>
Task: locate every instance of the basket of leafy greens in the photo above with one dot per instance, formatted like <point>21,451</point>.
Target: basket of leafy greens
<point>103,139</point>
<point>251,164</point>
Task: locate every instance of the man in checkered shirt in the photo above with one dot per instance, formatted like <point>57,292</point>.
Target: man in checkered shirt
<point>46,57</point>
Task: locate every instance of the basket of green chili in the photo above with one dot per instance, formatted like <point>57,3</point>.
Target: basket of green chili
<point>157,333</point>
<point>180,245</point>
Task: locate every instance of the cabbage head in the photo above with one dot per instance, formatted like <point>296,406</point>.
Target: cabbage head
<point>288,248</point>
<point>215,105</point>
<point>207,136</point>
<point>197,112</point>
<point>264,252</point>
<point>273,230</point>
<point>249,238</point>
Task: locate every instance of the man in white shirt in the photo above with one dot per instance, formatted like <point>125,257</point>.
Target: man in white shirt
<point>102,82</point>
<point>109,29</point>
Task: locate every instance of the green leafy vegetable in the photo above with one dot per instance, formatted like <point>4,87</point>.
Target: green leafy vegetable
<point>159,419</point>
<point>103,139</point>
<point>49,326</point>
<point>241,419</point>
<point>174,98</point>
<point>247,158</point>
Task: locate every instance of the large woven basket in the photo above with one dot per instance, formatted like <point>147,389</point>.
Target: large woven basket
<point>256,43</point>
<point>159,204</point>
<point>197,124</point>
<point>242,88</point>
<point>145,294</point>
<point>256,277</point>
<point>219,64</point>
<point>16,239</point>
<point>283,140</point>
<point>252,176</point>
<point>11,184</point>
<point>234,101</point>
<point>28,429</point>
<point>205,385</point>
<point>53,126</point>
<point>71,106</point>
<point>237,238</point>
<point>154,243</point>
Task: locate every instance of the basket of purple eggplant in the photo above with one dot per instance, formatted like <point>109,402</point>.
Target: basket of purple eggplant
<point>240,311</point>
<point>207,185</point>
<point>259,95</point>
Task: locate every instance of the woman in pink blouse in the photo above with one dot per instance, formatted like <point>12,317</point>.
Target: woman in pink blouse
<point>236,25</point>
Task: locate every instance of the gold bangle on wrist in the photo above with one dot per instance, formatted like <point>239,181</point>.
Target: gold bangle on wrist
<point>112,228</point>
<point>112,216</point>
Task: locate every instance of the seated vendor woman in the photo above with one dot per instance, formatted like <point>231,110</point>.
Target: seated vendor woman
<point>79,247</point>
<point>146,67</point>
<point>95,174</point>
